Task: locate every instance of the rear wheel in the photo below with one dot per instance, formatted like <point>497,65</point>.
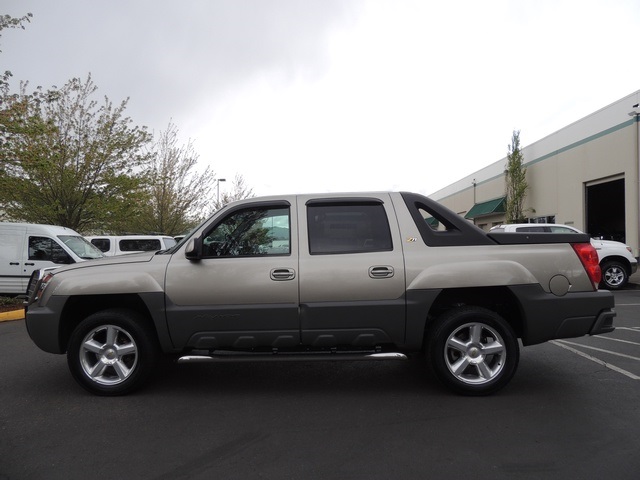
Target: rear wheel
<point>614,275</point>
<point>111,352</point>
<point>473,350</point>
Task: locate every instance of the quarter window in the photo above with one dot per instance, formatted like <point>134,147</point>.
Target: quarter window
<point>348,228</point>
<point>250,232</point>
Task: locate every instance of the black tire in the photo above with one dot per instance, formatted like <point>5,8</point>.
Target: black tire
<point>614,275</point>
<point>112,353</point>
<point>473,350</point>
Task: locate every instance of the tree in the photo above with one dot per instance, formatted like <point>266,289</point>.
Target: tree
<point>68,161</point>
<point>516,181</point>
<point>7,21</point>
<point>177,194</point>
<point>239,191</point>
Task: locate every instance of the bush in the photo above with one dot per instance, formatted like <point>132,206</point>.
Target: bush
<point>11,302</point>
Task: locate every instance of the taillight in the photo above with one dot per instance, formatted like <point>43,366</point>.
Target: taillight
<point>589,258</point>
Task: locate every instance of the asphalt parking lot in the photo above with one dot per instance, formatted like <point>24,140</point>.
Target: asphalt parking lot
<point>620,350</point>
<point>572,411</point>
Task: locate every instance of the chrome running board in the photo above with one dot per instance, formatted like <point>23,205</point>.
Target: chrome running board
<point>279,357</point>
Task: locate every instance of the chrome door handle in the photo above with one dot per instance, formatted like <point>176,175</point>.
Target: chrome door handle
<point>381,271</point>
<point>280,274</point>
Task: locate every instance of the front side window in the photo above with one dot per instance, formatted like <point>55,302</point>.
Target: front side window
<point>348,228</point>
<point>47,249</point>
<point>250,232</point>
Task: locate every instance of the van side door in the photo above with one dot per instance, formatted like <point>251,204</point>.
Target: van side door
<point>44,252</point>
<point>11,260</point>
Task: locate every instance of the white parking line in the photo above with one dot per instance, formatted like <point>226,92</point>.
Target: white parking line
<point>617,340</point>
<point>631,329</point>
<point>594,359</point>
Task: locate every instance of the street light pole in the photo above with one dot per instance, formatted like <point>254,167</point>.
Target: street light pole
<point>218,180</point>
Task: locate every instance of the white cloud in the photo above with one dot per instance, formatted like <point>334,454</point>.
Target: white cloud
<point>345,94</point>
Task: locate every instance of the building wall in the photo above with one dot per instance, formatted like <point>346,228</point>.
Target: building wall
<point>602,146</point>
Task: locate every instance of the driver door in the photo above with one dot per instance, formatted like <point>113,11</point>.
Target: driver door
<point>242,291</point>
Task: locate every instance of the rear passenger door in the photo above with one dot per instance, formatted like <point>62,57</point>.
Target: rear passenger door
<point>352,279</point>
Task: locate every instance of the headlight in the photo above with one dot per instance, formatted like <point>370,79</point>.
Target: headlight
<point>37,284</point>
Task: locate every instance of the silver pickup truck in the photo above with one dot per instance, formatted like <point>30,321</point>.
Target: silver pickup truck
<point>360,276</point>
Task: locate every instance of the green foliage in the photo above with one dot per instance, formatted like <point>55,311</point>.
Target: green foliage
<point>239,191</point>
<point>177,195</point>
<point>11,302</point>
<point>7,21</point>
<point>516,181</point>
<point>66,160</point>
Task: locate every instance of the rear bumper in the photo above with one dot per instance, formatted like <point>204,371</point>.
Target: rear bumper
<point>547,317</point>
<point>604,323</point>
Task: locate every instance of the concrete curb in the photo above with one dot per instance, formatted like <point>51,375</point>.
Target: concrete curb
<point>12,315</point>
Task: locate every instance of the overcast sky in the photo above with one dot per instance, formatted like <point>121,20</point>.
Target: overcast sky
<point>338,95</point>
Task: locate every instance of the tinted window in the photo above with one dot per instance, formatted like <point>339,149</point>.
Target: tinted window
<point>102,243</point>
<point>348,228</point>
<point>136,245</point>
<point>250,232</point>
<point>43,248</point>
<point>562,230</point>
<point>532,229</point>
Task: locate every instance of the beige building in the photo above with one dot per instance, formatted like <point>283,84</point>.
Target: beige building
<point>586,175</point>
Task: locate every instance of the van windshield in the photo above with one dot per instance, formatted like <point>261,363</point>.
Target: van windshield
<point>81,247</point>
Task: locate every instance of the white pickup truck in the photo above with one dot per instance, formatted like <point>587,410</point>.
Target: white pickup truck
<point>360,276</point>
<point>616,260</point>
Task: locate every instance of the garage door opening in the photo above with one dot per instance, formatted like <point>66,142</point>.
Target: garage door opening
<point>605,210</point>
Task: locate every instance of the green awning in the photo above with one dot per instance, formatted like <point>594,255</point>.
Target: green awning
<point>490,207</point>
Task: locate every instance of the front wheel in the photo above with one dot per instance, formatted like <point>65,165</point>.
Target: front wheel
<point>473,351</point>
<point>111,353</point>
<point>614,275</point>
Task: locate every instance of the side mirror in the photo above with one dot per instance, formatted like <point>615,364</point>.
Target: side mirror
<point>193,251</point>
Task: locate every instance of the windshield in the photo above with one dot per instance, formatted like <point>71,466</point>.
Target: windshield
<point>81,247</point>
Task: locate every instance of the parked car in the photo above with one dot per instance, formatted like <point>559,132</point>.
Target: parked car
<point>25,247</point>
<point>616,260</point>
<point>357,276</point>
<point>120,245</point>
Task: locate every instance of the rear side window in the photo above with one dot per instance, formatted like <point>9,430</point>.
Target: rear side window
<point>137,245</point>
<point>103,244</point>
<point>533,229</point>
<point>348,228</point>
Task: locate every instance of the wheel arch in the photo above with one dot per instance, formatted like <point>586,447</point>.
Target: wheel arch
<point>615,258</point>
<point>499,299</point>
<point>79,307</point>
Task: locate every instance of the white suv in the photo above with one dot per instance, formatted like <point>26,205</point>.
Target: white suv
<point>616,261</point>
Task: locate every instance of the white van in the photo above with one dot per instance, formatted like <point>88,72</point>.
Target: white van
<point>25,247</point>
<point>120,245</point>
